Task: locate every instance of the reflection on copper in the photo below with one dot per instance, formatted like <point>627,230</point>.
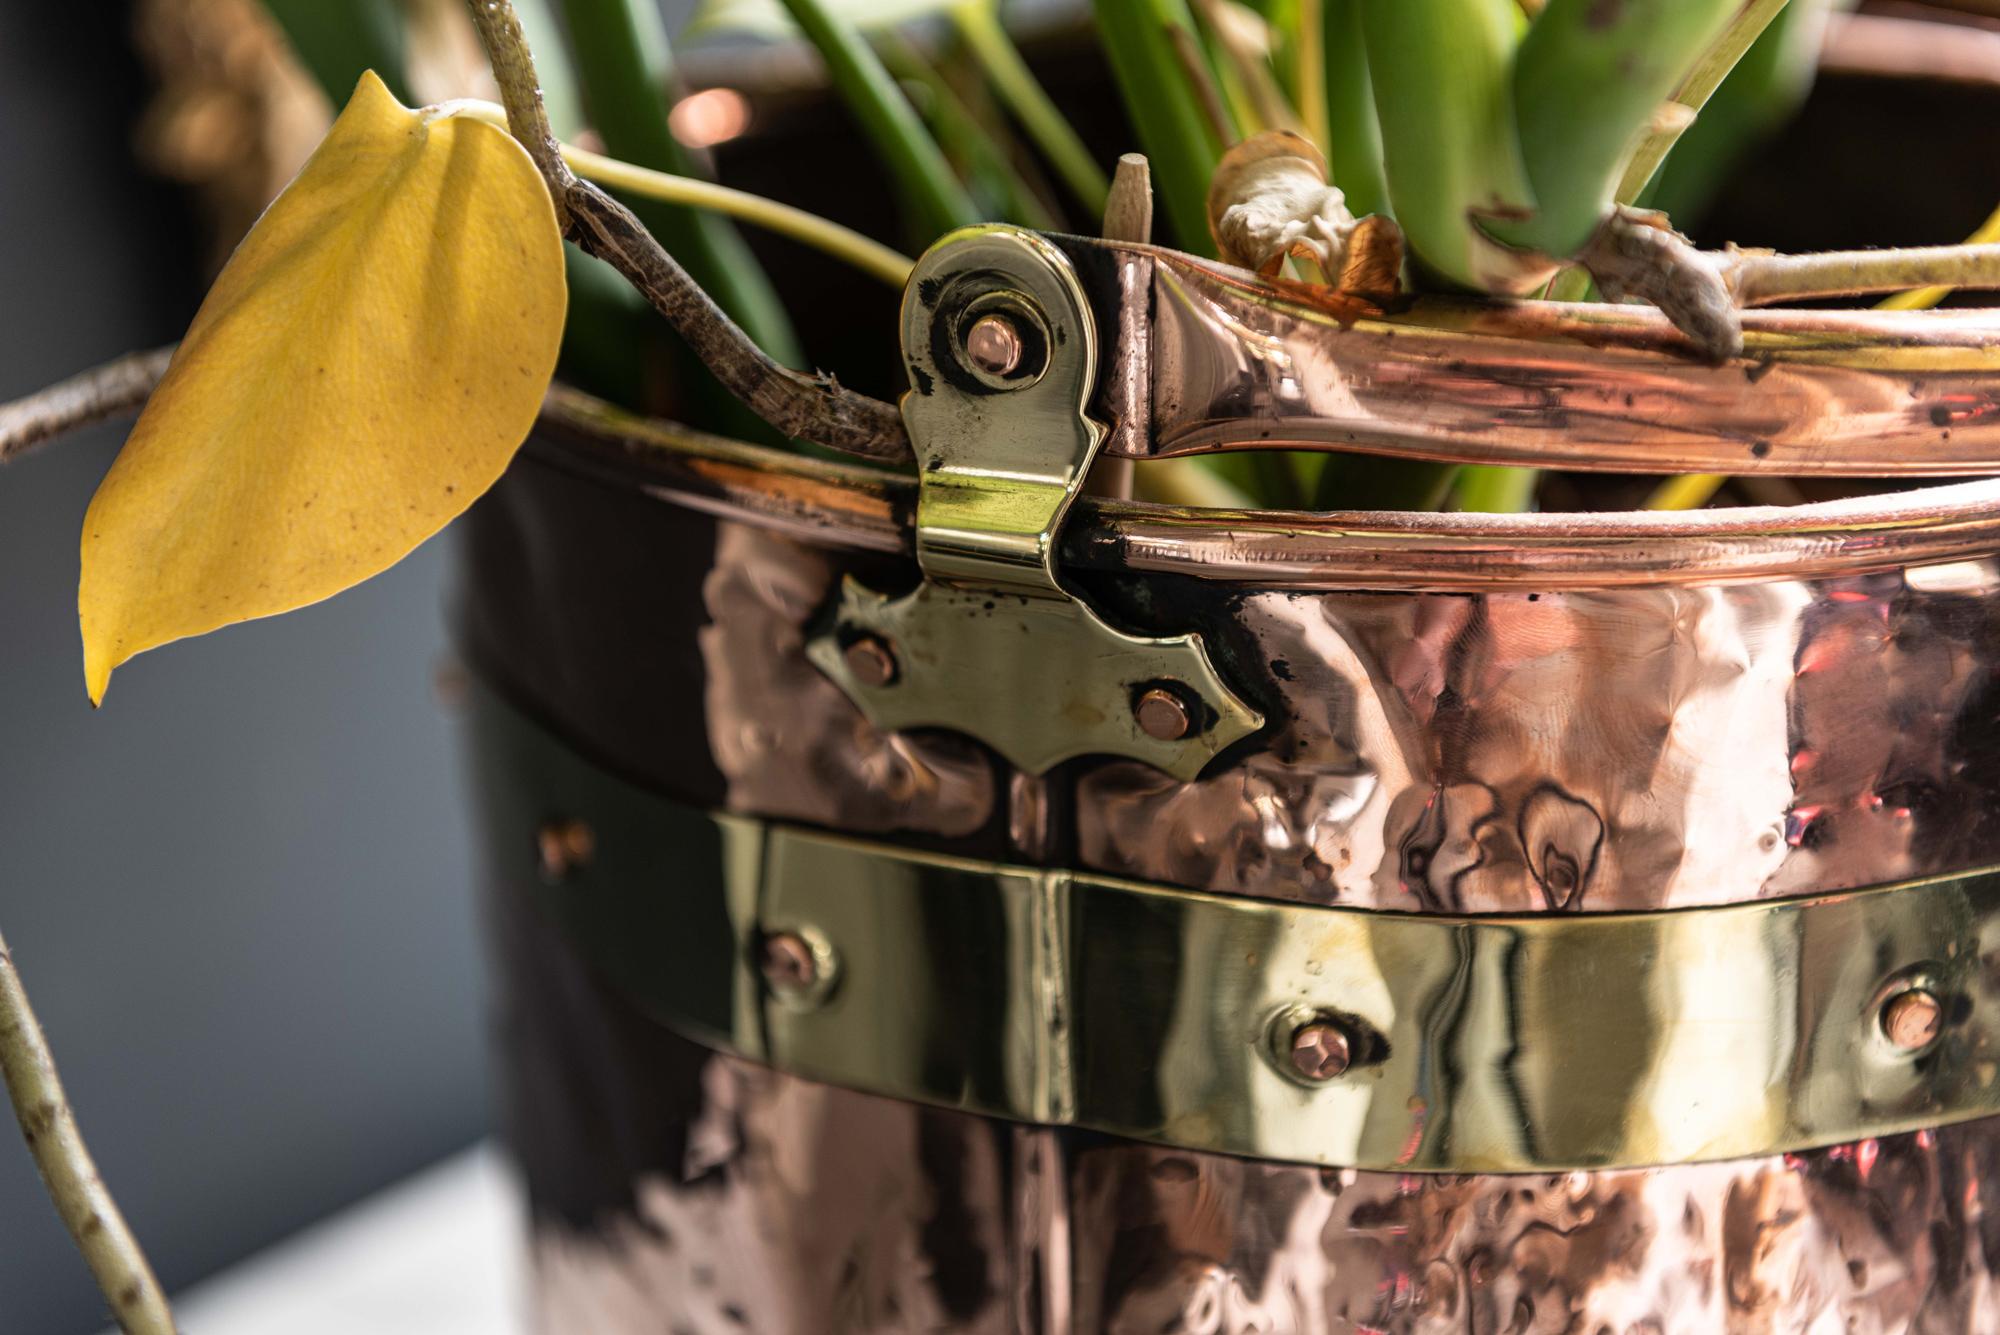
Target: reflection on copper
<point>787,741</point>
<point>1623,749</point>
<point>806,1210</point>
<point>868,509</point>
<point>1239,364</point>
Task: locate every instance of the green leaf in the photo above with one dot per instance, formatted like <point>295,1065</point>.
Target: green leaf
<point>336,40</point>
<point>926,181</point>
<point>979,25</point>
<point>770,18</point>
<point>1177,136</point>
<point>626,67</point>
<point>961,133</point>
<point>1353,134</point>
<point>1589,76</point>
<point>1440,72</point>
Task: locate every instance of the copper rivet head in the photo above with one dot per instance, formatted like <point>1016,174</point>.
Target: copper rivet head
<point>1319,1050</point>
<point>1912,1019</point>
<point>871,661</point>
<point>993,345</point>
<point>563,846</point>
<point>1161,715</point>
<point>789,962</point>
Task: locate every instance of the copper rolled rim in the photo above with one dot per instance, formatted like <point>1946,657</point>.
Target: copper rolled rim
<point>866,508</point>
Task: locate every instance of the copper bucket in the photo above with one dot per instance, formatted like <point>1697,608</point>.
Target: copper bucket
<point>1544,923</point>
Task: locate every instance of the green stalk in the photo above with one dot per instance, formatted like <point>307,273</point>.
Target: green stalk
<point>337,39</point>
<point>1177,136</point>
<point>979,26</point>
<point>929,186</point>
<point>962,135</point>
<point>626,67</point>
<point>1246,115</point>
<point>1257,97</point>
<point>1769,80</point>
<point>1587,80</point>
<point>1696,88</point>
<point>609,324</point>
<point>1440,73</point>
<point>1353,141</point>
<point>1372,482</point>
<point>1494,491</point>
<point>1308,70</point>
<point>1266,476</point>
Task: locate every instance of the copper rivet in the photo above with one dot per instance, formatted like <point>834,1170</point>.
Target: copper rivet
<point>1319,1050</point>
<point>563,846</point>
<point>1161,715</point>
<point>789,962</point>
<point>871,661</point>
<point>1912,1019</point>
<point>993,344</point>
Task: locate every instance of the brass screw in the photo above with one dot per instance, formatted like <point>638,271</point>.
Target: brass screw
<point>564,845</point>
<point>790,966</point>
<point>1912,1019</point>
<point>993,345</point>
<point>871,660</point>
<point>1161,715</point>
<point>1320,1050</point>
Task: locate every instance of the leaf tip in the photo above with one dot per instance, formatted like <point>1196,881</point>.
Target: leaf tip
<point>96,674</point>
<point>371,87</point>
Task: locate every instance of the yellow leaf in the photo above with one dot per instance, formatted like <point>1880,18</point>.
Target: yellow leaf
<point>364,367</point>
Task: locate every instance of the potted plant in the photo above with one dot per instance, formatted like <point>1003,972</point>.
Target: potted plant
<point>936,890</point>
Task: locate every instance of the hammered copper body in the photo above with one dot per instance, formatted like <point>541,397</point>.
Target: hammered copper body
<point>1637,712</point>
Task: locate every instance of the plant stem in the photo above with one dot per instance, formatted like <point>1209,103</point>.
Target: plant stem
<point>886,116</point>
<point>1179,139</point>
<point>1483,489</point>
<point>1353,141</point>
<point>842,243</point>
<point>987,164</point>
<point>1370,482</point>
<point>1250,68</point>
<point>561,96</point>
<point>1688,491</point>
<point>90,396</point>
<point>1192,57</point>
<point>1587,78</point>
<point>1186,482</point>
<point>627,67</point>
<point>1309,72</point>
<point>1923,298</point>
<point>1691,491</point>
<point>89,1213</point>
<point>1759,280</point>
<point>813,406</point>
<point>979,25</point>
<point>1696,87</point>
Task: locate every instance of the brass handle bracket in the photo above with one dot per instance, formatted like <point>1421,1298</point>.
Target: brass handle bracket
<point>1002,350</point>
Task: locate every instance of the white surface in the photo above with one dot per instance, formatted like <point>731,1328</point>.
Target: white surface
<point>436,1254</point>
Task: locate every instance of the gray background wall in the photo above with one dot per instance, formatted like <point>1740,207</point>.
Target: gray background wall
<point>240,893</point>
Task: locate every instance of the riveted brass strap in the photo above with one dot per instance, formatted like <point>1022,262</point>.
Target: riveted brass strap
<point>1480,1044</point>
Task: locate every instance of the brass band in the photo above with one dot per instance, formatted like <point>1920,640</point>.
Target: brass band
<point>1469,1044</point>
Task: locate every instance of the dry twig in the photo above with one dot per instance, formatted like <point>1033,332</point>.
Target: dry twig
<point>106,391</point>
<point>1637,254</point>
<point>812,406</point>
<point>80,1196</point>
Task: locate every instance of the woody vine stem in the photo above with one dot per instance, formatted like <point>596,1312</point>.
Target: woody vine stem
<point>81,1198</point>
